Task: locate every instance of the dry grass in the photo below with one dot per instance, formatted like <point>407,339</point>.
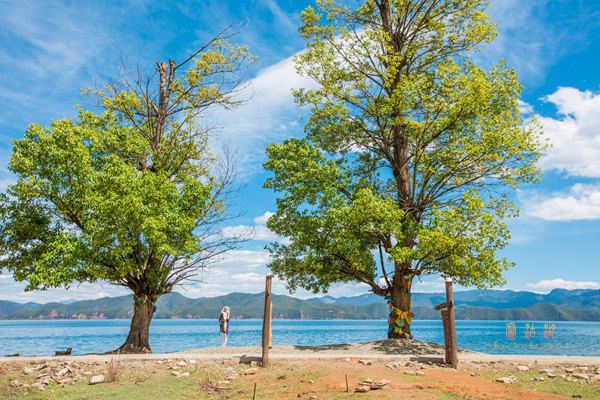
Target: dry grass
<point>114,370</point>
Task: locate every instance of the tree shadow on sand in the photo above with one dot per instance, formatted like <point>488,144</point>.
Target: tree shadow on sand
<point>326,347</point>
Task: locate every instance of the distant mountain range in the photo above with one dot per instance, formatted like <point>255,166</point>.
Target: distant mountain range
<point>559,305</point>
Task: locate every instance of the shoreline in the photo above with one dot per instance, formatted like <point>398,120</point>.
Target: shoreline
<point>332,352</point>
<point>299,319</point>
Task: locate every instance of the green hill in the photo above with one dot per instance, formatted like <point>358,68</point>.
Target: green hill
<point>582,306</point>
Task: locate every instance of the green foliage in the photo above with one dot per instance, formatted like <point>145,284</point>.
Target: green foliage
<point>82,210</point>
<point>131,196</point>
<point>409,146</point>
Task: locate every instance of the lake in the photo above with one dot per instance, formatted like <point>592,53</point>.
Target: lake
<point>94,336</point>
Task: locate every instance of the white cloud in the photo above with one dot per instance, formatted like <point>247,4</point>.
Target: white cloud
<point>582,202</point>
<point>244,259</point>
<point>575,134</point>
<point>258,231</point>
<point>525,107</point>
<point>548,285</point>
<point>15,291</point>
<point>269,116</point>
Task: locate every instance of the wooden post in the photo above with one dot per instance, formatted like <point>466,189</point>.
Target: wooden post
<point>271,326</point>
<point>453,353</point>
<point>446,336</point>
<point>266,328</point>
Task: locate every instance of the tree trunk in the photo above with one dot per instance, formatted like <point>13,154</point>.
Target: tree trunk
<point>139,331</point>
<point>400,308</point>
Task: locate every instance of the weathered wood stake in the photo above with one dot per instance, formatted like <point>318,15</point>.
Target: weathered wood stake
<point>266,328</point>
<point>453,356</point>
<point>347,388</point>
<point>254,395</point>
<point>449,325</point>
<point>271,326</point>
<point>446,336</point>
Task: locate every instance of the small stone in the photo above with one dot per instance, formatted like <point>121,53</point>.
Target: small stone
<point>62,372</point>
<point>576,396</point>
<point>379,384</point>
<point>547,371</point>
<point>96,379</point>
<point>313,397</point>
<point>251,371</point>
<point>395,364</point>
<point>551,375</point>
<point>366,362</point>
<point>347,359</point>
<point>175,373</point>
<point>15,383</point>
<point>523,368</point>
<point>506,379</point>
<point>581,376</point>
<point>362,389</point>
<point>569,370</point>
<point>193,362</point>
<point>181,363</point>
<point>539,379</point>
<point>28,371</point>
<point>473,374</point>
<point>184,374</point>
<point>420,373</point>
<point>37,386</point>
<point>596,378</point>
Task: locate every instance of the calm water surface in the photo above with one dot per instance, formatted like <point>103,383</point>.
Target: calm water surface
<point>45,337</point>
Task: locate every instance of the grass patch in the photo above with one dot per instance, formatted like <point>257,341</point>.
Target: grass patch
<point>556,385</point>
<point>451,396</point>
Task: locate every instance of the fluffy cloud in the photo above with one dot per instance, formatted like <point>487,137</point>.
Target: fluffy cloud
<point>258,231</point>
<point>574,134</point>
<point>581,202</point>
<point>525,107</point>
<point>548,285</point>
<point>244,259</point>
<point>270,115</point>
<point>15,291</point>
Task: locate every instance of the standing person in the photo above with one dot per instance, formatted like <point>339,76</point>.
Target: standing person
<point>224,325</point>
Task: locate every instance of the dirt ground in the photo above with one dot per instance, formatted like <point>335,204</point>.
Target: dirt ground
<point>309,379</point>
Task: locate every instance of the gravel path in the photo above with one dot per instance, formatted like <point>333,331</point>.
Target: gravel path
<point>400,350</point>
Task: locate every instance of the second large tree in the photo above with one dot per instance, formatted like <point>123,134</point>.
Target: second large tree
<point>410,156</point>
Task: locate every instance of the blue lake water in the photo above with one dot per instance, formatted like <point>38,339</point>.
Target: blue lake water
<point>94,336</point>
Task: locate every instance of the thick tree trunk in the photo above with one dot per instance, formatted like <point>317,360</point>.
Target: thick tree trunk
<point>139,331</point>
<point>400,309</point>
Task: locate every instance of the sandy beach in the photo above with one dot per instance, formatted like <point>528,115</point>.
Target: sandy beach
<point>376,370</point>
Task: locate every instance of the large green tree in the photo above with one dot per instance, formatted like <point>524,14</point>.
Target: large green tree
<point>131,196</point>
<point>410,156</point>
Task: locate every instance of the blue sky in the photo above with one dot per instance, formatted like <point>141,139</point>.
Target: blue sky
<point>50,50</point>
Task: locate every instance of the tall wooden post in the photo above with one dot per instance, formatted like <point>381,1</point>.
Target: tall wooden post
<point>266,328</point>
<point>271,326</point>
<point>453,353</point>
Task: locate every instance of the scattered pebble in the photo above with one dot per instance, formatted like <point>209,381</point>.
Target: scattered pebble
<point>96,379</point>
<point>506,379</point>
